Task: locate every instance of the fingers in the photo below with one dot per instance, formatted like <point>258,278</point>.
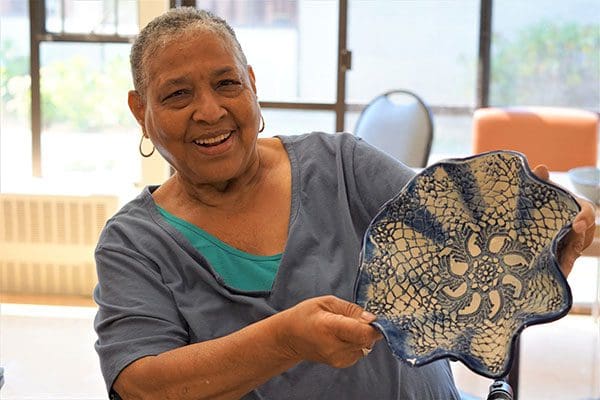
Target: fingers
<point>582,228</point>
<point>580,237</point>
<point>352,331</point>
<point>328,330</point>
<point>366,350</point>
<point>350,323</point>
<point>585,222</point>
<point>348,309</point>
<point>355,338</point>
<point>574,245</point>
<point>541,171</point>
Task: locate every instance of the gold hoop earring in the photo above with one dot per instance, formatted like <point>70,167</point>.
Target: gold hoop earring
<point>263,124</point>
<point>145,155</point>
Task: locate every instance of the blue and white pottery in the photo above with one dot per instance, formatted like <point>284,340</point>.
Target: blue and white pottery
<point>464,258</point>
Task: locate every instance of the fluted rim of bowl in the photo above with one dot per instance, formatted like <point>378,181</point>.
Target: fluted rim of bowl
<point>359,296</point>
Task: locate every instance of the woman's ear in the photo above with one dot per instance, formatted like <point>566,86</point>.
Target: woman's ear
<point>252,78</point>
<point>137,106</point>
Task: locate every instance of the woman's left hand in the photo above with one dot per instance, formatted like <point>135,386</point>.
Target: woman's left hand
<point>582,230</point>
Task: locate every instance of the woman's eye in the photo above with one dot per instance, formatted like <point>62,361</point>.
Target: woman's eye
<point>228,82</point>
<point>176,94</point>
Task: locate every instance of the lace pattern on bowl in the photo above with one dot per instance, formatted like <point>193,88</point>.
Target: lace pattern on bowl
<point>464,258</point>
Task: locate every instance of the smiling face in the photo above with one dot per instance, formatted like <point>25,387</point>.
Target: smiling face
<point>200,108</point>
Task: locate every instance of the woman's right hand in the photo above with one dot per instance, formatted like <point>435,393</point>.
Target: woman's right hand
<point>322,329</point>
<point>326,330</point>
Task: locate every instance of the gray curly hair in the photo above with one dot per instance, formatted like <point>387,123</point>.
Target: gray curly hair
<point>166,27</point>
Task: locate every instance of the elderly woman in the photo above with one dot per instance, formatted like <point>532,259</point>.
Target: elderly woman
<point>233,278</point>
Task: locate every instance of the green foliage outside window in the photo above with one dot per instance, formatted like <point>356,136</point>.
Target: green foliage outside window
<point>14,82</point>
<point>76,95</point>
<point>545,64</point>
<point>548,64</point>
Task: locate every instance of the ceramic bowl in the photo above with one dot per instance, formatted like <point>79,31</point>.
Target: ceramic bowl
<point>586,181</point>
<point>464,258</point>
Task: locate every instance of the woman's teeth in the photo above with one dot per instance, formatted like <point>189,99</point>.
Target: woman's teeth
<point>213,141</point>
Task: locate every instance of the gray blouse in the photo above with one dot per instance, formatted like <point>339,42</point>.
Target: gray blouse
<point>156,292</point>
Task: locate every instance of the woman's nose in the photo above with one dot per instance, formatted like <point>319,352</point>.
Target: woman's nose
<point>207,108</point>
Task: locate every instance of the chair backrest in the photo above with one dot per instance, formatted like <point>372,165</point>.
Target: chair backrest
<point>561,138</point>
<point>399,123</point>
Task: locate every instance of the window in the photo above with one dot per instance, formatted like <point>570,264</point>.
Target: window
<point>80,53</point>
<point>108,17</point>
<point>399,55</point>
<point>289,43</point>
<point>546,53</point>
<point>427,47</point>
<point>15,133</point>
<point>542,54</point>
<point>88,133</point>
<point>295,122</point>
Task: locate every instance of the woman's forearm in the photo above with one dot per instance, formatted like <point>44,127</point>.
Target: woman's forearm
<point>323,329</point>
<point>223,368</point>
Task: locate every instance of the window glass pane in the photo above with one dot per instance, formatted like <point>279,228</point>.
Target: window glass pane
<point>291,44</point>
<point>546,53</point>
<point>54,21</point>
<point>92,16</point>
<point>350,120</point>
<point>428,46</point>
<point>127,17</point>
<point>296,122</point>
<point>88,16</point>
<point>451,134</point>
<point>15,104</point>
<point>87,129</point>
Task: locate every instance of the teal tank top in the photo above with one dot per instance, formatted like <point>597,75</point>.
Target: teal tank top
<point>239,270</point>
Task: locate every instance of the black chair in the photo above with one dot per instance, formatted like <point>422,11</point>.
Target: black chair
<point>399,123</point>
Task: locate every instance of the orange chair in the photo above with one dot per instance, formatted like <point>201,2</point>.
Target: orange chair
<point>560,138</point>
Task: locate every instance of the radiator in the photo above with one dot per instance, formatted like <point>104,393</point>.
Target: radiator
<point>47,242</point>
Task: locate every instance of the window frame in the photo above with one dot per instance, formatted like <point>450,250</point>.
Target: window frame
<point>38,35</point>
<point>344,63</point>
